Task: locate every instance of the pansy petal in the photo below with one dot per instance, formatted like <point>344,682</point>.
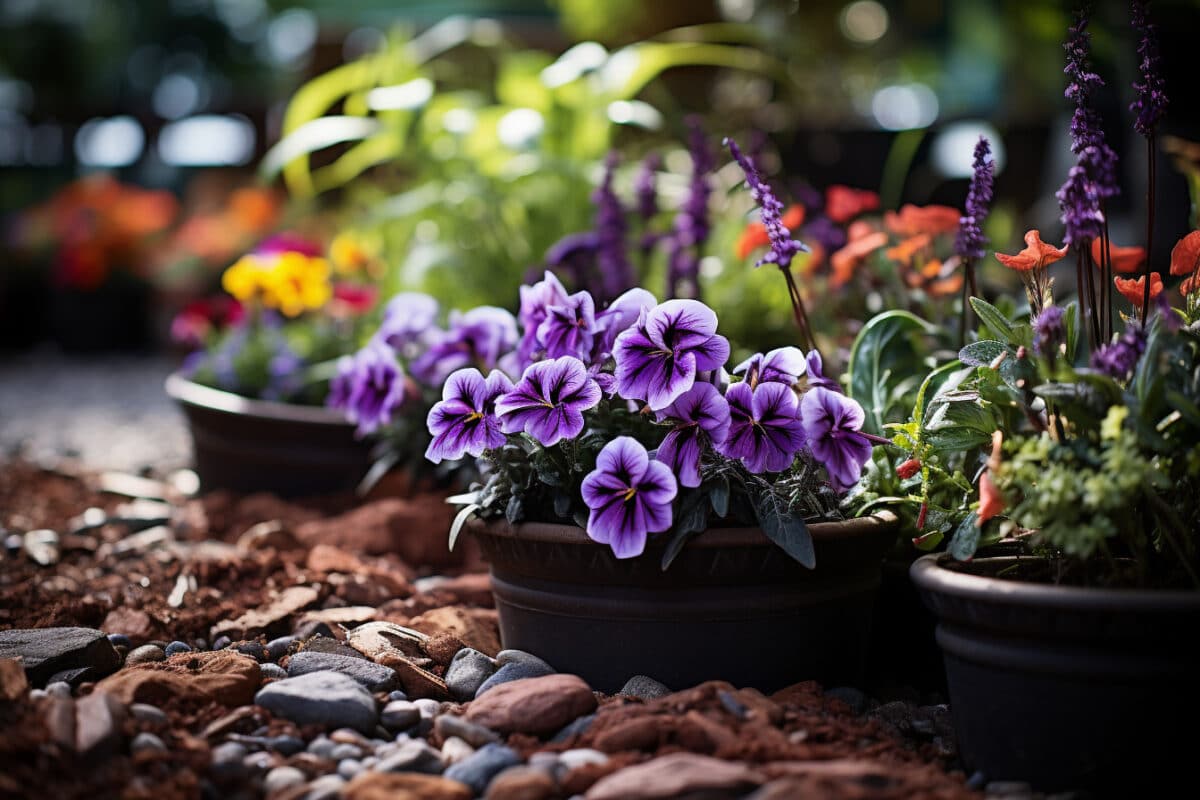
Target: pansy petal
<point>712,354</point>
<point>680,451</point>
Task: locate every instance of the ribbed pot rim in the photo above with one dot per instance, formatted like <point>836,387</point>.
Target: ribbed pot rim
<point>929,574</point>
<point>190,393</point>
<point>555,533</point>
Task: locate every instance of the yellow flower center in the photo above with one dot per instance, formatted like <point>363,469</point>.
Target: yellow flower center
<point>629,493</point>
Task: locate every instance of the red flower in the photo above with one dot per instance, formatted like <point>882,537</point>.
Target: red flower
<point>913,220</point>
<point>1124,259</point>
<point>354,298</point>
<point>1135,290</point>
<point>1185,256</point>
<point>842,203</point>
<point>1037,254</point>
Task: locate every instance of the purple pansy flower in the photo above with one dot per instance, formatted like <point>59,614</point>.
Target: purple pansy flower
<point>764,430</point>
<point>549,400</point>
<point>368,387</point>
<point>657,360</point>
<point>782,365</point>
<point>406,319</point>
<point>477,338</point>
<point>816,374</point>
<point>629,496</point>
<point>701,416</point>
<point>464,421</point>
<point>535,302</point>
<point>569,328</point>
<point>621,315</point>
<point>831,426</point>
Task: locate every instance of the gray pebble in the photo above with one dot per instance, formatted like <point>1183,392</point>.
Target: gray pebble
<point>147,742</point>
<point>478,769</point>
<point>455,750</point>
<point>396,694</point>
<point>278,648</point>
<point>467,672</point>
<point>175,648</point>
<point>399,715</point>
<point>375,677</point>
<point>570,759</point>
<point>255,650</point>
<point>1008,789</point>
<point>259,761</point>
<point>428,707</point>
<point>412,755</point>
<point>272,672</point>
<point>143,712</point>
<point>644,687</point>
<point>285,745</point>
<point>349,767</point>
<point>222,642</point>
<point>58,689</point>
<point>327,698</point>
<point>514,671</point>
<point>281,778</point>
<point>145,654</point>
<point>321,746</point>
<point>345,751</point>
<point>576,727</point>
<point>733,705</point>
<point>228,753</point>
<point>473,734</point>
<point>521,657</point>
<point>37,694</point>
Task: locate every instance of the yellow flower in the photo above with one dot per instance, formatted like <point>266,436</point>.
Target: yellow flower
<point>291,282</point>
<point>348,255</point>
<point>1110,428</point>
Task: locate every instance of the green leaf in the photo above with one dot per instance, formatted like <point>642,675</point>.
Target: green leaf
<point>786,529</point>
<point>460,519</point>
<point>1069,314</point>
<point>956,439</point>
<point>994,320</point>
<point>966,538</point>
<point>984,352</point>
<point>1186,408</point>
<point>562,504</point>
<point>514,512</point>
<point>884,348</point>
<point>718,497</point>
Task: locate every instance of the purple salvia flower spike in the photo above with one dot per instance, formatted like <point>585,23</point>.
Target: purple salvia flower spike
<point>645,187</point>
<point>629,497</point>
<point>657,360</point>
<point>616,273</point>
<point>691,227</point>
<point>970,241</point>
<point>464,422</point>
<point>549,400</point>
<point>832,425</point>
<point>1151,101</point>
<point>701,419</point>
<point>783,247</point>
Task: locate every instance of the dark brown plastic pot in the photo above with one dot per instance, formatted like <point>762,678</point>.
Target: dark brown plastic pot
<point>258,446</point>
<point>732,606</point>
<point>1063,687</point>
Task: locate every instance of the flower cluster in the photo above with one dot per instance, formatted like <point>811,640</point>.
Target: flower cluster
<point>576,368</point>
<point>282,274</point>
<point>1151,101</point>
<point>970,242</point>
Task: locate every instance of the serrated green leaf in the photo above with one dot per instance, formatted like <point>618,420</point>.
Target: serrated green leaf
<point>994,320</point>
<point>984,352</point>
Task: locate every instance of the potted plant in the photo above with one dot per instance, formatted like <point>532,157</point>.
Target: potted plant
<point>254,389</point>
<point>1071,572</point>
<point>643,512</point>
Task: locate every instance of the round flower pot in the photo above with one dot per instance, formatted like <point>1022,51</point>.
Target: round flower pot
<point>732,606</point>
<point>259,446</point>
<point>1063,687</point>
<point>904,652</point>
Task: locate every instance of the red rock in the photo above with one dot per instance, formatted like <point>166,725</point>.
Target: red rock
<point>222,676</point>
<point>13,684</point>
<point>844,778</point>
<point>441,648</point>
<point>98,719</point>
<point>270,620</point>
<point>640,733</point>
<point>59,716</point>
<point>135,624</point>
<point>272,534</point>
<point>533,705</point>
<point>476,627</point>
<point>522,783</point>
<point>404,786</point>
<point>676,775</point>
<point>413,528</point>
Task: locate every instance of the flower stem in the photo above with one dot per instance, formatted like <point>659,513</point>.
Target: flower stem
<point>798,308</point>
<point>1149,223</point>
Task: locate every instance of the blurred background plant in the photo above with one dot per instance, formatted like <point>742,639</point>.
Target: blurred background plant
<point>458,140</point>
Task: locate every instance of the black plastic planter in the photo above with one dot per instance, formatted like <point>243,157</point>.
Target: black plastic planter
<point>259,446</point>
<point>732,606</point>
<point>1063,687</point>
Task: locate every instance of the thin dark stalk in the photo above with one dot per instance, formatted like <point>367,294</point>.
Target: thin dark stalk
<point>1106,289</point>
<point>1085,328</point>
<point>968,292</point>
<point>1149,224</point>
<point>798,308</point>
<point>1089,270</point>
